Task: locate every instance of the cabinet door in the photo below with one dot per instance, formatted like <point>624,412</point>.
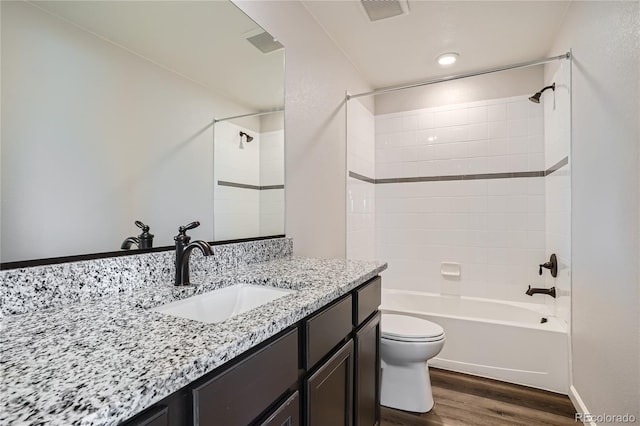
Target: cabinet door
<point>287,414</point>
<point>329,390</point>
<point>155,417</point>
<point>367,375</point>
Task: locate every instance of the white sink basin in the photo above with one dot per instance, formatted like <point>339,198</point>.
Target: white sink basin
<point>219,305</point>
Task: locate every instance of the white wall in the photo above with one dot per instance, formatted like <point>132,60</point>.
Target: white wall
<point>317,75</point>
<point>605,206</point>
<point>360,194</point>
<point>493,228</point>
<point>90,130</point>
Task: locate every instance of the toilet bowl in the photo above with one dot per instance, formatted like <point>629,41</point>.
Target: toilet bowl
<point>406,344</point>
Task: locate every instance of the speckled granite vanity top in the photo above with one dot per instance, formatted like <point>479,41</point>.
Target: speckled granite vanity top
<point>100,362</point>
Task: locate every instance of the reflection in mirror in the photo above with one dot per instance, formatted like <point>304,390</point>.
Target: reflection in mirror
<point>108,118</point>
<point>249,175</point>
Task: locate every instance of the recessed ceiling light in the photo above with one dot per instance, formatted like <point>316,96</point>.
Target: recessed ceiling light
<point>447,59</point>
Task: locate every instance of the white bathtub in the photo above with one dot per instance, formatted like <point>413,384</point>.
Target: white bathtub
<point>500,340</point>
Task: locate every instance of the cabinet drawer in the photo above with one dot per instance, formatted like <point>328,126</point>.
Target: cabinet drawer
<point>326,330</point>
<point>287,414</point>
<point>240,394</point>
<point>367,300</point>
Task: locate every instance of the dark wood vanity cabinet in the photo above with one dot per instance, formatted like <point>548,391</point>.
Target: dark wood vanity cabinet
<point>286,414</point>
<point>238,395</point>
<point>158,416</point>
<point>324,370</point>
<point>345,388</point>
<point>367,373</point>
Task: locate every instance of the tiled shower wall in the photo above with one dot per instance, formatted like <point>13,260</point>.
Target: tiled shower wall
<point>492,225</point>
<point>360,192</point>
<point>557,113</point>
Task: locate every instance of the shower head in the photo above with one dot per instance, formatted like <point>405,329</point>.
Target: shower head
<point>249,138</point>
<point>536,98</point>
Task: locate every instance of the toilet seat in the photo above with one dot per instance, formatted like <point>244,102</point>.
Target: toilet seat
<point>406,328</point>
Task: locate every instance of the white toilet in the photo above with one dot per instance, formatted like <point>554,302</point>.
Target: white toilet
<point>405,346</point>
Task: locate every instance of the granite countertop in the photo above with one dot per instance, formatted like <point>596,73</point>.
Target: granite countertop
<point>103,361</point>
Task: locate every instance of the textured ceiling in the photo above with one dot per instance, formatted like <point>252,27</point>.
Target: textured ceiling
<point>403,49</point>
<point>204,41</point>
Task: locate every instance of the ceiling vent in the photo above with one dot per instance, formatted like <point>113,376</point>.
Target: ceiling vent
<point>383,9</point>
<point>265,42</point>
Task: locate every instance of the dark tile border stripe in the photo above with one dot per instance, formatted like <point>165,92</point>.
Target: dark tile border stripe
<point>557,166</point>
<point>246,186</point>
<point>361,177</point>
<point>480,176</point>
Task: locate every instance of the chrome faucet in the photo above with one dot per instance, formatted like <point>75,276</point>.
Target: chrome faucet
<point>550,291</point>
<point>183,252</point>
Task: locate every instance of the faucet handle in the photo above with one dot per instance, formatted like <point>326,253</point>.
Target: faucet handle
<point>183,229</point>
<point>145,228</point>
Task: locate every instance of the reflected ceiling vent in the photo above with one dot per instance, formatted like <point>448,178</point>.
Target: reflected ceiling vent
<point>265,42</point>
<point>383,9</point>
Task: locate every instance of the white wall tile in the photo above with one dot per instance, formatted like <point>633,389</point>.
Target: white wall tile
<point>409,122</point>
<point>497,129</point>
<point>517,128</point>
<point>478,115</point>
<point>497,112</point>
<point>517,110</point>
<point>495,228</point>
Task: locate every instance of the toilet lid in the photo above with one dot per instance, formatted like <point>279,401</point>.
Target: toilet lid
<point>407,328</point>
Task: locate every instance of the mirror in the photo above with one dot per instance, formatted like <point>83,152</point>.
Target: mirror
<point>116,112</point>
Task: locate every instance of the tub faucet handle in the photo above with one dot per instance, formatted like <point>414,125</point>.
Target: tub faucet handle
<point>551,265</point>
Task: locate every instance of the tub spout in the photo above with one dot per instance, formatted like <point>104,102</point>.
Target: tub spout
<point>550,291</point>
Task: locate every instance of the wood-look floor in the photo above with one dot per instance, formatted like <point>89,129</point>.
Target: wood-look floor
<point>464,400</point>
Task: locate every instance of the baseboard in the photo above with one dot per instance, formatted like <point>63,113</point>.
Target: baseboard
<point>578,404</point>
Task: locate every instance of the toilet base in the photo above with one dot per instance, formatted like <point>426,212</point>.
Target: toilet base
<point>406,387</point>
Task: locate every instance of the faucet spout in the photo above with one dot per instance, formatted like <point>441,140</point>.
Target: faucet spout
<point>183,252</point>
<point>550,291</point>
<point>206,250</point>
<point>126,244</point>
<point>143,241</point>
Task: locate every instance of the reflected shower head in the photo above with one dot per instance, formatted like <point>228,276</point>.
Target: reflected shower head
<point>249,138</point>
<point>536,98</point>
